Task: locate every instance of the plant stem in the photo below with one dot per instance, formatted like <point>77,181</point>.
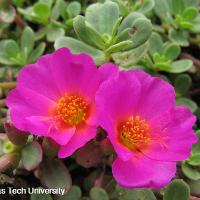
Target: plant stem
<point>7,85</point>
<point>20,22</point>
<point>195,61</point>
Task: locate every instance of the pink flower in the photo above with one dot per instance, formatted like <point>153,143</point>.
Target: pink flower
<point>148,132</point>
<point>56,98</point>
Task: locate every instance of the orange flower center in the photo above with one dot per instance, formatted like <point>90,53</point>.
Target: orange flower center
<point>72,109</point>
<point>134,133</point>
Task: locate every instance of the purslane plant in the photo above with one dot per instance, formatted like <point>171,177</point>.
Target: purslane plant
<point>147,131</point>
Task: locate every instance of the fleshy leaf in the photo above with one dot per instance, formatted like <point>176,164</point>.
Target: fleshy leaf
<point>89,156</point>
<point>41,197</point>
<point>97,193</point>
<point>74,194</point>
<point>54,174</point>
<point>77,46</point>
<point>74,8</point>
<point>171,51</point>
<point>155,43</point>
<point>54,32</point>
<point>190,171</point>
<point>27,41</point>
<point>182,84</point>
<point>135,27</point>
<point>87,34</point>
<point>177,190</point>
<point>103,17</point>
<point>31,155</point>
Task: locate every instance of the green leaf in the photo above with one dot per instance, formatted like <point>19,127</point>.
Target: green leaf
<point>31,155</point>
<point>182,84</point>
<point>147,6</point>
<point>18,3</point>
<point>54,174</point>
<point>11,48</point>
<point>97,193</point>
<point>196,25</point>
<point>74,194</point>
<point>180,37</point>
<point>155,43</point>
<point>38,51</point>
<point>42,11</point>
<point>118,47</point>
<point>76,46</point>
<point>87,34</point>
<point>171,51</point>
<point>131,57</point>
<point>41,197</point>
<point>59,9</point>
<point>74,8</point>
<point>47,2</point>
<point>54,32</point>
<point>134,194</point>
<point>4,58</point>
<point>180,66</point>
<point>194,160</point>
<point>190,171</point>
<point>27,41</point>
<point>194,186</point>
<point>177,6</point>
<point>103,17</point>
<point>161,9</point>
<point>190,13</point>
<point>135,27</point>
<point>177,190</point>
<point>188,103</point>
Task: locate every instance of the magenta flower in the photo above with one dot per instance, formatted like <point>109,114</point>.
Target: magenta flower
<point>56,98</point>
<point>148,133</point>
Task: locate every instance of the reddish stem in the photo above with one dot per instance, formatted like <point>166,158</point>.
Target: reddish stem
<point>19,21</point>
<point>195,61</point>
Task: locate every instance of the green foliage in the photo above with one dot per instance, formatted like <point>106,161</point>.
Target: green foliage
<point>134,194</point>
<point>178,18</point>
<point>41,197</point>
<point>31,155</point>
<point>54,174</point>
<point>163,56</point>
<point>97,193</point>
<point>74,194</point>
<point>182,84</point>
<point>20,54</point>
<point>103,32</point>
<point>177,190</point>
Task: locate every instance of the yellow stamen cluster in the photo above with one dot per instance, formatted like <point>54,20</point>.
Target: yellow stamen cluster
<point>72,109</point>
<point>134,133</point>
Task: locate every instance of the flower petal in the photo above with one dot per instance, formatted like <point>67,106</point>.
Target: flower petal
<point>24,103</point>
<point>80,138</point>
<point>143,172</point>
<point>157,96</point>
<point>118,98</point>
<point>177,136</point>
<point>39,78</point>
